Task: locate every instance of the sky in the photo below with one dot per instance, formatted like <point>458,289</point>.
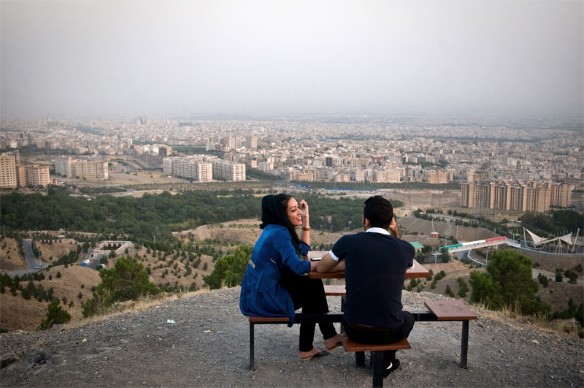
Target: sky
<point>278,57</point>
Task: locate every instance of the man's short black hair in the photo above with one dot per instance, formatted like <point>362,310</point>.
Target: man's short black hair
<point>378,211</point>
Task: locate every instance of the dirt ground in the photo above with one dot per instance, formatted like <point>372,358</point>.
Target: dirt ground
<point>202,340</point>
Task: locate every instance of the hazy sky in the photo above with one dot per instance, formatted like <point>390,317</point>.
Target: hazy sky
<point>265,57</point>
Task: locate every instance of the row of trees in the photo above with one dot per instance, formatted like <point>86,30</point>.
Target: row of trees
<point>152,218</point>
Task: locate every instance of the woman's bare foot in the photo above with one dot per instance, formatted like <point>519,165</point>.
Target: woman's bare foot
<point>315,352</point>
<point>333,342</point>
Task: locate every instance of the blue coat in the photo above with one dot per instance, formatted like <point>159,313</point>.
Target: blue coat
<point>261,291</point>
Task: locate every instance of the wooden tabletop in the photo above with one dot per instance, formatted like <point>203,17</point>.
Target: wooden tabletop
<point>417,271</point>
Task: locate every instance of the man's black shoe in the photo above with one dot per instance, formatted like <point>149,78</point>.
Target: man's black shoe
<point>393,365</point>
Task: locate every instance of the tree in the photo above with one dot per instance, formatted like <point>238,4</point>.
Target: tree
<point>444,255</point>
<point>543,280</point>
<point>559,275</point>
<point>507,283</point>
<point>462,288</point>
<point>127,280</point>
<point>55,315</point>
<point>229,269</point>
<point>420,257</point>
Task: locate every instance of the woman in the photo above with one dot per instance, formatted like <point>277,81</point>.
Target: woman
<point>275,281</point>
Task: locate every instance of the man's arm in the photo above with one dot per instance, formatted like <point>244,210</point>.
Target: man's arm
<point>328,264</point>
<point>393,229</point>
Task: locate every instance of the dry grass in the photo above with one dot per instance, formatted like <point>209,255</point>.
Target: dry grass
<point>10,257</point>
<point>142,303</point>
<point>512,317</point>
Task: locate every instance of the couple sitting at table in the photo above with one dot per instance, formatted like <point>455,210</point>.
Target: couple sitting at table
<point>375,262</point>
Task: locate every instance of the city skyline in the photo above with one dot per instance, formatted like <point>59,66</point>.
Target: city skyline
<point>477,59</point>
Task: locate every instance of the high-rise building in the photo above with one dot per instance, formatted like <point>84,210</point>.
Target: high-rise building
<point>8,177</point>
<point>505,195</point>
<point>467,190</point>
<point>63,166</point>
<point>37,175</point>
<point>13,174</point>
<point>561,194</point>
<point>204,172</point>
<point>251,142</point>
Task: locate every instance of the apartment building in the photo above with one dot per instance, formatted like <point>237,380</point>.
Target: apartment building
<point>518,196</point>
<point>8,175</point>
<point>386,176</point>
<point>167,165</point>
<point>437,176</point>
<point>193,167</point>
<point>228,171</point>
<point>37,175</point>
<point>81,168</point>
<point>13,174</point>
<point>202,168</point>
<point>301,175</point>
<point>63,166</point>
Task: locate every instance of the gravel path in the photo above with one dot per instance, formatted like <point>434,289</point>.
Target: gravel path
<point>201,340</point>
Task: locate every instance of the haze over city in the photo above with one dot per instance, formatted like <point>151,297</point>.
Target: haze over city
<point>181,58</point>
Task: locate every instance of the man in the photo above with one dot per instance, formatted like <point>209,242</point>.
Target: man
<point>375,262</point>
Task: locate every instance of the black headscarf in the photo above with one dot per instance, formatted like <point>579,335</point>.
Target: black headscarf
<point>274,211</point>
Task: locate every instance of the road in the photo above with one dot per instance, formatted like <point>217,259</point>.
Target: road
<point>34,265</point>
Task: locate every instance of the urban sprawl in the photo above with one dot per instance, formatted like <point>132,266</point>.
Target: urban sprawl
<point>505,167</point>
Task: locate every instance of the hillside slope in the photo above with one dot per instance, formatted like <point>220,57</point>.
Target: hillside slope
<point>202,340</point>
<point>76,282</point>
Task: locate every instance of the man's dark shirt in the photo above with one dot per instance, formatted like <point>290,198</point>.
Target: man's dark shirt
<point>375,266</point>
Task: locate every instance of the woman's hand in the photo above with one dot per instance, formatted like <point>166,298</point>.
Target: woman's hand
<point>305,234</point>
<point>303,206</point>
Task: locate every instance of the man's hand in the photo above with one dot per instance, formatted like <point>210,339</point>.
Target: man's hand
<point>313,265</point>
<point>393,228</point>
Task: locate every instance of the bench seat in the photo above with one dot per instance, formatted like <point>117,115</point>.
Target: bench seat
<point>376,355</point>
<point>266,320</point>
<point>299,318</point>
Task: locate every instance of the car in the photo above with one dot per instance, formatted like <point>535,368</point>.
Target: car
<point>38,267</point>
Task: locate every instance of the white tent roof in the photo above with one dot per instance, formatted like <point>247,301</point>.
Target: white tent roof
<point>568,239</point>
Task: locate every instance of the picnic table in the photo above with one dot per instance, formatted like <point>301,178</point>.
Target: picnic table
<point>446,310</point>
